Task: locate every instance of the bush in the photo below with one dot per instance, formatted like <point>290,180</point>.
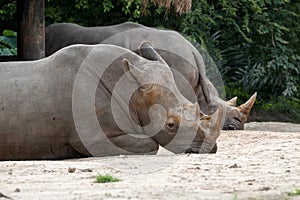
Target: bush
<point>253,43</point>
<point>8,43</point>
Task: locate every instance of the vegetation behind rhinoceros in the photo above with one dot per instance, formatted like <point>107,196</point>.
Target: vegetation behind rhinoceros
<point>255,44</point>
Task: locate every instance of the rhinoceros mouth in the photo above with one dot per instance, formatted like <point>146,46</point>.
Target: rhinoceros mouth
<point>192,150</point>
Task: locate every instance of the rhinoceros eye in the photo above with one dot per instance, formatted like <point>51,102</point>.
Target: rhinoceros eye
<point>147,87</point>
<point>237,119</point>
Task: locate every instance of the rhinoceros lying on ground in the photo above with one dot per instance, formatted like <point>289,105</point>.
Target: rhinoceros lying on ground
<point>175,50</point>
<point>98,100</point>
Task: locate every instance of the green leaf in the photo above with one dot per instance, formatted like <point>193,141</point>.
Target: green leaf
<point>10,42</point>
<point>9,33</point>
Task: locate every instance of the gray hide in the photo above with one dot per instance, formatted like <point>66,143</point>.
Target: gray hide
<point>50,108</point>
<point>180,55</point>
<point>174,48</point>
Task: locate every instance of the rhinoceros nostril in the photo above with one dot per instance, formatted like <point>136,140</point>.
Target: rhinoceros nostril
<point>171,125</point>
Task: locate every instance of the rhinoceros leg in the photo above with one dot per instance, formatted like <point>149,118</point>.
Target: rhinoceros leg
<point>135,145</point>
<point>123,144</point>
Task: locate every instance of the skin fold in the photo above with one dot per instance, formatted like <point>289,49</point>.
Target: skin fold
<point>179,54</point>
<point>77,103</point>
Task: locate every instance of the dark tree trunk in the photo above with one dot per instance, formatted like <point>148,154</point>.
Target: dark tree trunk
<point>31,29</point>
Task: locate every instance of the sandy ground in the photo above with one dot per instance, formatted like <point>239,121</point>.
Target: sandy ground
<point>262,162</point>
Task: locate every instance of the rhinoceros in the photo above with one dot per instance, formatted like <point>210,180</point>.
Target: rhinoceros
<point>178,52</point>
<point>98,100</point>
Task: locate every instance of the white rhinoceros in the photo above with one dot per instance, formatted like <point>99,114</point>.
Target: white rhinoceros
<point>98,100</point>
<point>178,52</point>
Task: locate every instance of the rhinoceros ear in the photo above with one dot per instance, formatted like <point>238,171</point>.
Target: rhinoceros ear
<point>232,102</point>
<point>134,73</point>
<point>147,51</point>
<point>246,107</point>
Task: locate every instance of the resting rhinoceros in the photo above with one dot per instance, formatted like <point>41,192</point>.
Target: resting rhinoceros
<point>180,55</point>
<point>98,100</point>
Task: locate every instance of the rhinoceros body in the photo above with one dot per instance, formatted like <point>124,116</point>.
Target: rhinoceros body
<point>180,55</point>
<point>174,48</point>
<point>67,106</point>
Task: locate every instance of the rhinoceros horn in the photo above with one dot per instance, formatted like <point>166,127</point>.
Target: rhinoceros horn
<point>246,107</point>
<point>232,102</point>
<point>213,131</point>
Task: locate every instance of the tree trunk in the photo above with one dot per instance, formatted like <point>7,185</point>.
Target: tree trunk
<point>31,29</point>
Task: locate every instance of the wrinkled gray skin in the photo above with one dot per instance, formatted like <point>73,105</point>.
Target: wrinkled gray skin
<point>40,120</point>
<point>174,48</point>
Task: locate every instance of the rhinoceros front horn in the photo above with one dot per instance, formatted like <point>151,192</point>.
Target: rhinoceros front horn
<point>246,107</point>
<point>147,51</point>
<point>213,131</point>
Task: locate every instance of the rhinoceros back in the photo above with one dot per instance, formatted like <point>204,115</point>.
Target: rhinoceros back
<point>36,119</point>
<point>61,35</point>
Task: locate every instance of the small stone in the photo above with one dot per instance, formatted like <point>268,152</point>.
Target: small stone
<point>17,190</point>
<point>71,169</point>
<point>234,166</point>
<point>265,188</point>
<point>86,170</point>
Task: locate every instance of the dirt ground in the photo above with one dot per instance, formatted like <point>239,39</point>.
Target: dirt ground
<point>262,162</point>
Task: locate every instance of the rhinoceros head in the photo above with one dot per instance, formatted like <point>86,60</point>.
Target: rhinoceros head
<point>164,113</point>
<point>185,139</point>
<point>236,117</point>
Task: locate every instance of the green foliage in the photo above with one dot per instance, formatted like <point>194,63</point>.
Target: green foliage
<point>259,56</point>
<point>296,192</point>
<point>8,15</point>
<point>282,104</point>
<point>106,12</point>
<point>8,43</point>
<point>106,179</point>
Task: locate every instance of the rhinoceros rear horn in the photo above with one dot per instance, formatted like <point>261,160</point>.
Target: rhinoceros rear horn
<point>232,102</point>
<point>147,51</point>
<point>246,107</point>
